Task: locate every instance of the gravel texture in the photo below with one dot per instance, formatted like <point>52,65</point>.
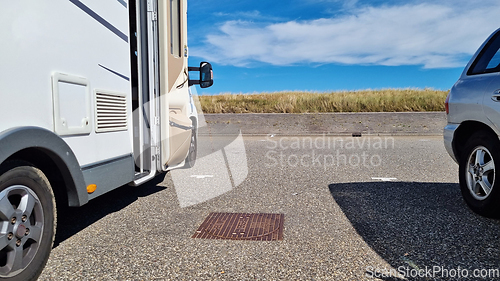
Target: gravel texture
<point>377,123</point>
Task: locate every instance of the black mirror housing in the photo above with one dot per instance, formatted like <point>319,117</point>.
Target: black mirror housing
<point>206,75</point>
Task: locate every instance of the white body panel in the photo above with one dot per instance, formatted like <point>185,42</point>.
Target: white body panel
<point>42,38</point>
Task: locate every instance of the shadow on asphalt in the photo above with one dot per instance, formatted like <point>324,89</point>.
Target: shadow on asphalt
<point>420,224</point>
<point>72,220</point>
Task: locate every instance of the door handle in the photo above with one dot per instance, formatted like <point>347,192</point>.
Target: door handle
<point>496,96</point>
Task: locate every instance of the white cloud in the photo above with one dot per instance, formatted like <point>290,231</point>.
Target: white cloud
<point>249,15</point>
<point>428,34</point>
<point>346,4</point>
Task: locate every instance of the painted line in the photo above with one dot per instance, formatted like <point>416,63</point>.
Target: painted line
<point>114,72</point>
<point>202,176</point>
<point>384,179</point>
<point>100,19</point>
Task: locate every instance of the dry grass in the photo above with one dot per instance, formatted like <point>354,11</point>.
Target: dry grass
<point>385,100</point>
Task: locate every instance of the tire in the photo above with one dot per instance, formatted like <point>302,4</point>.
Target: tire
<point>191,157</point>
<point>479,181</point>
<point>28,219</point>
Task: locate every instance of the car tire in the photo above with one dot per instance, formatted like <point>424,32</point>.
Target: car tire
<point>191,157</point>
<point>27,205</point>
<point>479,181</point>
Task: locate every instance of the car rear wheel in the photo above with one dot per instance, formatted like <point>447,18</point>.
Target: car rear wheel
<point>27,219</point>
<point>478,168</point>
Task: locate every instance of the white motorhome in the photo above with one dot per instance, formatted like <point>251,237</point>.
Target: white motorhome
<point>94,95</point>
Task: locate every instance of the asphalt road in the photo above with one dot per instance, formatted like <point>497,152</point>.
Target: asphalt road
<point>352,210</point>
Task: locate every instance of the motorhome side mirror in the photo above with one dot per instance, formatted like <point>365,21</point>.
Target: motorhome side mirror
<point>206,75</point>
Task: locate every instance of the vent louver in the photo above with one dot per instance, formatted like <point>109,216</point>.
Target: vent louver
<point>111,112</point>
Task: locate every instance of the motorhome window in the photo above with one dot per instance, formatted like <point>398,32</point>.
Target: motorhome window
<point>488,60</point>
<point>175,28</point>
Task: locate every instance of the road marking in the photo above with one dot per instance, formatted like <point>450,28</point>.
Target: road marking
<point>384,179</point>
<point>202,176</point>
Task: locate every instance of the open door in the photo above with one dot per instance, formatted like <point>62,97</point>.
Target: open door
<point>176,125</point>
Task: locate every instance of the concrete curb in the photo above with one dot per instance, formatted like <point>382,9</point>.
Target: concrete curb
<point>330,124</point>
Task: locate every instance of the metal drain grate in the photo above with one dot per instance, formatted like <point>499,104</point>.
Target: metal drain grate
<point>261,227</point>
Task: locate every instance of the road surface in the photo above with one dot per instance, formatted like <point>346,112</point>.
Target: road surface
<point>354,208</point>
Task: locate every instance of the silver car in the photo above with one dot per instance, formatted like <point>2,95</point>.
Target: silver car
<point>471,136</point>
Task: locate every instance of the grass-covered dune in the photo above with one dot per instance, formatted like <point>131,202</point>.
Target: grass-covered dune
<point>385,100</point>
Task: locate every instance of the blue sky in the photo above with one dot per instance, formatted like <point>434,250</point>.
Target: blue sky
<point>328,45</point>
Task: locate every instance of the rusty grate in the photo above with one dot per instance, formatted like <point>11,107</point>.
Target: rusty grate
<point>234,226</point>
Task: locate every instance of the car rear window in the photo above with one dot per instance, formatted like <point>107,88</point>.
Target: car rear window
<point>488,60</point>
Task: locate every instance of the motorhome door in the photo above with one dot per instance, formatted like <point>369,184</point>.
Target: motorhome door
<point>177,127</point>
